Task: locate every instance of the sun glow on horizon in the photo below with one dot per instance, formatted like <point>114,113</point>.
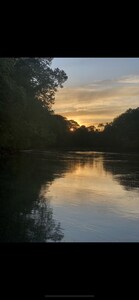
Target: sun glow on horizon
<point>97,90</point>
<point>71,129</point>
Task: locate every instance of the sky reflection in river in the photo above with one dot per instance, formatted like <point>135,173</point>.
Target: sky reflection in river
<point>91,203</point>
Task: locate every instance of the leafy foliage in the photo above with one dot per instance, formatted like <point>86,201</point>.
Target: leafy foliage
<point>122,133</point>
<point>27,93</point>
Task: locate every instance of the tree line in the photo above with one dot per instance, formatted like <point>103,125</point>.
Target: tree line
<point>27,120</point>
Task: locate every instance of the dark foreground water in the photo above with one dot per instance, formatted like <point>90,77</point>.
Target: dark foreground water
<point>69,197</point>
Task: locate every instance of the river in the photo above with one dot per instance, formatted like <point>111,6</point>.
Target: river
<point>74,196</point>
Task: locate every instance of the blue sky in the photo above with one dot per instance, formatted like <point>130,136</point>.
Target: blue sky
<point>97,89</point>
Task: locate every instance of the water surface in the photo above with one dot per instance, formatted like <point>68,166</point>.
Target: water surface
<point>69,197</point>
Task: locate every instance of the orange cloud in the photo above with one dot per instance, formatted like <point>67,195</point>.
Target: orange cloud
<point>98,102</point>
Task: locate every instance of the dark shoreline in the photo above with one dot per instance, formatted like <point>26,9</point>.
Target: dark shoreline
<point>4,153</point>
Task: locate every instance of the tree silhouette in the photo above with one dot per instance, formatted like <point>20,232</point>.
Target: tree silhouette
<point>124,169</point>
<point>27,92</point>
<point>122,133</point>
<point>40,225</point>
<point>26,216</point>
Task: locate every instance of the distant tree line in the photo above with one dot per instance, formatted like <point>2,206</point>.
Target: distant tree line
<point>27,121</point>
<point>122,134</point>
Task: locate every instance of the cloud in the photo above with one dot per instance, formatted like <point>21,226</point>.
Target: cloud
<point>101,99</point>
<point>133,79</point>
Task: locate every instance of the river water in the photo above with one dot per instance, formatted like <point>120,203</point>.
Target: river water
<point>69,197</point>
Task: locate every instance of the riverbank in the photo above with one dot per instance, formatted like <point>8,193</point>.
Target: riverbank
<point>10,152</point>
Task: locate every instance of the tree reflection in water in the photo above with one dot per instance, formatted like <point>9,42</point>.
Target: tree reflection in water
<point>26,214</point>
<point>124,168</point>
<point>40,225</point>
<point>25,217</point>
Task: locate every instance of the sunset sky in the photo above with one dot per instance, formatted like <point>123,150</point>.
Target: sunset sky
<point>97,89</point>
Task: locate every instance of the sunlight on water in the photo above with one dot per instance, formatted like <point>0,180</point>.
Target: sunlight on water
<point>69,197</point>
<point>91,204</point>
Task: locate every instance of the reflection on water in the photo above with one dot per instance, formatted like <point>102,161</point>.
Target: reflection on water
<point>72,196</point>
<point>25,217</point>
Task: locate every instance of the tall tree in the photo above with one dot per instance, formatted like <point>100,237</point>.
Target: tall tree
<point>39,80</point>
<point>27,92</point>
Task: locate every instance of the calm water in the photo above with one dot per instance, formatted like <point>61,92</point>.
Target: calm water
<point>69,197</point>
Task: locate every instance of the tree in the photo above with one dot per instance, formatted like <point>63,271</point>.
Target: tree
<point>100,126</point>
<point>27,92</point>
<point>73,125</point>
<point>122,133</point>
<point>40,81</point>
<point>91,128</point>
